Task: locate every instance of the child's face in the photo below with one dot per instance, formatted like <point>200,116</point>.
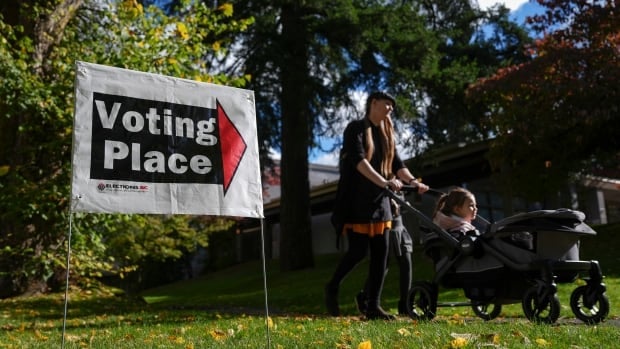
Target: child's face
<point>468,209</point>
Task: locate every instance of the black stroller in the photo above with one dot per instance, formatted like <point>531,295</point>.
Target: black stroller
<point>517,259</point>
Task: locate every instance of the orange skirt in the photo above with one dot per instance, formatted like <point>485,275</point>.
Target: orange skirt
<point>370,229</point>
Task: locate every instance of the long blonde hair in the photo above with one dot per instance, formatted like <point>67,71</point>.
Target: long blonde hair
<point>386,129</point>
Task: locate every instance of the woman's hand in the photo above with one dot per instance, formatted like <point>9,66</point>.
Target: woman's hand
<point>395,184</point>
<point>422,188</point>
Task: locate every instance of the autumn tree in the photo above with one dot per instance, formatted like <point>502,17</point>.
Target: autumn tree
<point>557,114</point>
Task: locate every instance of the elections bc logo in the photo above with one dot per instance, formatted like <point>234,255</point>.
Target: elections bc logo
<point>116,187</point>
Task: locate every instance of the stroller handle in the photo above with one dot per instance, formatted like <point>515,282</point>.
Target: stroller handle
<point>450,240</point>
<point>414,189</point>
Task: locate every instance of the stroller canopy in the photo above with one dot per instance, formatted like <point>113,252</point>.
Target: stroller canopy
<point>557,220</point>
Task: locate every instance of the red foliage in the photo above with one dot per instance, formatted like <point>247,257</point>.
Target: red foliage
<point>562,105</point>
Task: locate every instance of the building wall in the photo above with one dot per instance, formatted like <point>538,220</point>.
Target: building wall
<point>491,207</point>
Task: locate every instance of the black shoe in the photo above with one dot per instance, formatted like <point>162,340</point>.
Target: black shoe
<point>379,314</point>
<point>331,301</point>
<point>402,308</point>
<point>361,302</point>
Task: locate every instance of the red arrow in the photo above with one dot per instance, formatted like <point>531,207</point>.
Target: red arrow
<point>232,144</point>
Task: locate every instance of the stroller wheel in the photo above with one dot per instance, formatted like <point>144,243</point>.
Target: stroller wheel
<point>589,305</point>
<point>541,305</point>
<point>487,311</point>
<point>422,301</point>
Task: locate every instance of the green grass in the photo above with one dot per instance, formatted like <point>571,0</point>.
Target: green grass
<point>227,310</point>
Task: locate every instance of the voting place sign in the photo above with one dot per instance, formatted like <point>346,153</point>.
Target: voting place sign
<point>148,143</point>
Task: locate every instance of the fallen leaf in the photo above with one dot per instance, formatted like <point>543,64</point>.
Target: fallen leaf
<point>218,335</point>
<point>365,345</point>
<point>404,332</point>
<point>458,342</point>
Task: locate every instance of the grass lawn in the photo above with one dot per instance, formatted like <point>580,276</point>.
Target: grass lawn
<point>227,309</point>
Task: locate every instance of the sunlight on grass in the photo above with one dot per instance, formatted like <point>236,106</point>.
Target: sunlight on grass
<point>227,310</point>
<point>157,299</point>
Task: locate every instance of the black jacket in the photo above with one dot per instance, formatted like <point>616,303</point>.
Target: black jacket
<point>359,200</point>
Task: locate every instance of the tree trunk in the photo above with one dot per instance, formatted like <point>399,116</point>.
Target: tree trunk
<point>295,219</point>
<point>49,30</point>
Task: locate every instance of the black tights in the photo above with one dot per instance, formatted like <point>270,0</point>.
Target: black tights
<point>359,244</point>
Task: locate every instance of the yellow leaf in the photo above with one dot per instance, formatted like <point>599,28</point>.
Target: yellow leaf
<point>182,31</point>
<point>404,332</point>
<point>456,319</point>
<point>458,342</point>
<point>133,7</point>
<point>218,335</point>
<point>40,336</point>
<point>4,170</point>
<point>365,345</point>
<point>270,322</point>
<point>542,342</point>
<point>227,9</point>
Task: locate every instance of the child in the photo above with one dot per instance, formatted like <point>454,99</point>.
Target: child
<point>455,211</point>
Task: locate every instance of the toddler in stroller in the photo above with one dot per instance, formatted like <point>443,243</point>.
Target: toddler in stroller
<point>516,259</point>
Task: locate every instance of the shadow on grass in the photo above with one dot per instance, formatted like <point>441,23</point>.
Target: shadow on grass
<point>93,311</point>
<point>240,291</point>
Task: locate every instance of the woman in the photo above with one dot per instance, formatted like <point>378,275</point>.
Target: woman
<point>455,211</point>
<point>369,163</point>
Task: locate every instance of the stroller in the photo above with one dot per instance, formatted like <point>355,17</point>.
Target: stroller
<point>516,259</point>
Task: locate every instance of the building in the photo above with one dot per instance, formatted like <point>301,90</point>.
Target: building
<point>465,166</point>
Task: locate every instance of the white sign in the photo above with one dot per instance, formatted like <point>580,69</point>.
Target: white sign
<point>148,143</point>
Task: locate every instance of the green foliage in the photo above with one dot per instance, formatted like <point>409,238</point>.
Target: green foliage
<point>310,59</point>
<point>471,43</point>
<point>36,107</point>
<point>34,152</point>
